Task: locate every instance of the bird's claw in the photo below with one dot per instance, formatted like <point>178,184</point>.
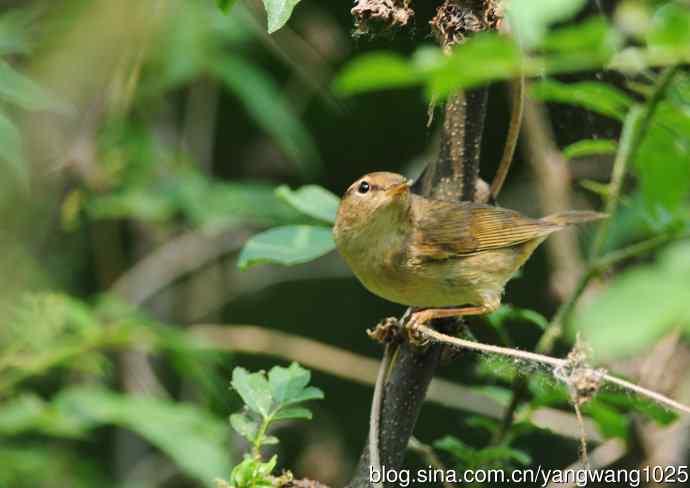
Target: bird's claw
<point>387,331</point>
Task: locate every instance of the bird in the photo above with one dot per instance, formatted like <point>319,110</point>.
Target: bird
<point>441,258</point>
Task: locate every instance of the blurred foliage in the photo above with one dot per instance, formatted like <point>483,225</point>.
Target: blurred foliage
<point>126,126</point>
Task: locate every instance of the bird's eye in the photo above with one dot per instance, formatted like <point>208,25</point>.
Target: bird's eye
<point>363,187</point>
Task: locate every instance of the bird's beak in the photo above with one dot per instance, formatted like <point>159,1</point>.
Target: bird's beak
<point>399,189</point>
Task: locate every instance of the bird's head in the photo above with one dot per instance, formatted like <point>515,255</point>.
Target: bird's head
<point>377,202</point>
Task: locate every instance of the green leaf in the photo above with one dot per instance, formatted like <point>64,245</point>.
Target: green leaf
<point>663,161</point>
<point>376,71</point>
<point>483,58</point>
<point>11,151</point>
<point>279,12</point>
<point>287,383</point>
<point>590,147</point>
<point>530,20</point>
<point>611,422</point>
<point>645,406</point>
<point>639,306</point>
<point>253,473</point>
<point>593,37</point>
<point>293,413</point>
<point>501,455</point>
<point>457,448</point>
<point>309,393</point>
<point>288,245</point>
<point>254,390</point>
<point>670,26</point>
<point>266,104</point>
<point>26,93</point>
<point>196,441</point>
<point>244,425</point>
<point>592,95</point>
<point>509,313</point>
<point>311,200</point>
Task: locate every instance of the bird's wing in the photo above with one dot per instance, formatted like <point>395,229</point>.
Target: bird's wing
<point>446,229</point>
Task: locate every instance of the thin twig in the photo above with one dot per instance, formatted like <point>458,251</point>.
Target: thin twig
<point>517,108</point>
<point>543,359</point>
<point>375,416</point>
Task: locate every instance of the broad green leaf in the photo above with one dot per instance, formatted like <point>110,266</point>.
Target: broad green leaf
<point>530,20</point>
<point>590,147</point>
<point>18,89</point>
<point>645,406</point>
<point>278,12</point>
<point>196,441</point>
<point>294,244</point>
<point>244,425</point>
<point>293,413</point>
<point>483,58</point>
<point>663,160</point>
<point>593,36</point>
<point>15,30</point>
<point>670,26</point>
<point>597,97</point>
<point>376,71</point>
<point>287,383</point>
<point>311,200</point>
<point>11,151</point>
<point>266,104</point>
<point>254,390</point>
<point>639,306</point>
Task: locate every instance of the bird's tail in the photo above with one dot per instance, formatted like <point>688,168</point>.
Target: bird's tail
<point>574,217</point>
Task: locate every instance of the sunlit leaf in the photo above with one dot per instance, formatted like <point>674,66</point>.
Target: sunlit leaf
<point>670,26</point>
<point>278,12</point>
<point>244,425</point>
<point>597,97</point>
<point>294,244</point>
<point>639,306</point>
<point>311,200</point>
<point>376,71</point>
<point>530,20</point>
<point>254,390</point>
<point>483,58</point>
<point>590,147</point>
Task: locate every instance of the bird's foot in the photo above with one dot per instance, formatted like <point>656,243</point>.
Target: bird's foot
<point>388,331</point>
<point>423,317</point>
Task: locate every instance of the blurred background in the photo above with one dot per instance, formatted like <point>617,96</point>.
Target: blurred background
<point>142,143</point>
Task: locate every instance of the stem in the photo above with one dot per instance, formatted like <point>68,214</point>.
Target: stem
<point>375,418</point>
<point>260,435</point>
<point>517,109</point>
<point>635,128</point>
<point>548,360</point>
